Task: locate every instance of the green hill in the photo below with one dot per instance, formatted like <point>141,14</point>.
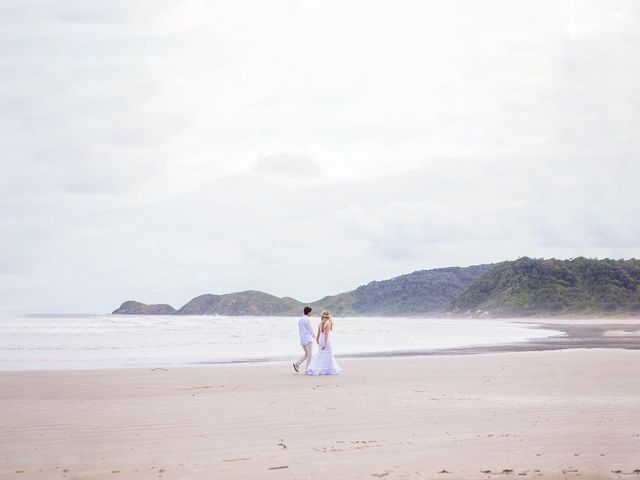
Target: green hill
<point>241,303</point>
<point>136,308</point>
<point>529,287</point>
<point>421,292</point>
<point>417,293</point>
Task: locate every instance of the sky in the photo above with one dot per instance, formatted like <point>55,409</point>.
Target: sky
<point>155,150</point>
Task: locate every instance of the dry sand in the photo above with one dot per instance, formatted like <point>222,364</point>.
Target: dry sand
<point>552,414</point>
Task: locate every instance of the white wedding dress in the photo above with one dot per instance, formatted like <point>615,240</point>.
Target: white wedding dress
<point>323,363</point>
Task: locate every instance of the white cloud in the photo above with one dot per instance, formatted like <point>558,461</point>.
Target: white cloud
<point>156,150</point>
<point>289,164</point>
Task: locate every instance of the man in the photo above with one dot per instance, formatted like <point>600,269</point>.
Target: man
<point>307,336</point>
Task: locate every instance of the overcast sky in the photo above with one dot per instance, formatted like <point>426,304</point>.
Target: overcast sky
<point>157,150</point>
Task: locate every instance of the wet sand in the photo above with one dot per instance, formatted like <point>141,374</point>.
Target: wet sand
<point>577,333</point>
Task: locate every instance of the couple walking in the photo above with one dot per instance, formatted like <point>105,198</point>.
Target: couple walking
<point>323,362</point>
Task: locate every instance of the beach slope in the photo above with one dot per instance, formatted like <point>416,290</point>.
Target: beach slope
<point>551,414</point>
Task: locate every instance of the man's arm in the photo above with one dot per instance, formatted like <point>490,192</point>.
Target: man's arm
<point>309,327</point>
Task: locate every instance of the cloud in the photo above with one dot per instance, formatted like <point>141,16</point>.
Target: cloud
<point>289,165</point>
<point>158,151</point>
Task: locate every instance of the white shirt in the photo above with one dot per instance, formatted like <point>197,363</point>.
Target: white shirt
<point>306,330</point>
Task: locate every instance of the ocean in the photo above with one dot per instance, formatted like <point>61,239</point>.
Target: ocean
<point>52,342</point>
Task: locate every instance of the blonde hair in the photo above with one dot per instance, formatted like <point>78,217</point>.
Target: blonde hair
<point>325,319</point>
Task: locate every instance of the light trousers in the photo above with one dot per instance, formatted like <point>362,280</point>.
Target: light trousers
<point>308,353</point>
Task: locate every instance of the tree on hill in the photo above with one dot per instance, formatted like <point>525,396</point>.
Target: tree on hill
<point>530,286</point>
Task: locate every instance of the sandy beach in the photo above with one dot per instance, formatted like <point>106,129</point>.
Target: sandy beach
<point>553,414</point>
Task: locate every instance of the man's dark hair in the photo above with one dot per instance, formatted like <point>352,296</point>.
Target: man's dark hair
<point>307,310</point>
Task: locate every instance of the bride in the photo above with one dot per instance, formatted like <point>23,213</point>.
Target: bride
<point>323,363</point>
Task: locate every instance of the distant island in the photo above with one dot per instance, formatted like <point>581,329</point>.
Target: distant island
<point>521,288</point>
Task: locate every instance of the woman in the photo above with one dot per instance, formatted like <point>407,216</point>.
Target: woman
<point>323,362</point>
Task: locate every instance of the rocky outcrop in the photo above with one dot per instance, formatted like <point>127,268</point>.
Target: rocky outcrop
<point>137,308</point>
<point>241,303</point>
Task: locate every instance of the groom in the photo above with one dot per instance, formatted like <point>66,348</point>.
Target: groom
<point>306,338</point>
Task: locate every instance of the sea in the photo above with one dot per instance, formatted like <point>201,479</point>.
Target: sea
<point>61,342</point>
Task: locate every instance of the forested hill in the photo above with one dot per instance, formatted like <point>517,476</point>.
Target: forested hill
<point>530,287</point>
<point>241,303</point>
<point>519,288</point>
<point>418,293</point>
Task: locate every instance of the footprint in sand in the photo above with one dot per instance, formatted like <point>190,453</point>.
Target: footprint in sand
<point>569,470</point>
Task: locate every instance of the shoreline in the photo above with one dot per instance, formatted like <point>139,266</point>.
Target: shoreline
<point>575,334</point>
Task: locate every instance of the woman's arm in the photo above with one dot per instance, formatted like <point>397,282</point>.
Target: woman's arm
<point>318,336</point>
